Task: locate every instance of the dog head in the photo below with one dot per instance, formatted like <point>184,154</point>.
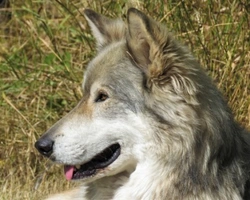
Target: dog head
<point>143,88</point>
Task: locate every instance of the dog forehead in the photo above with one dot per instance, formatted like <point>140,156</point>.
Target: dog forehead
<point>109,56</point>
<point>108,61</point>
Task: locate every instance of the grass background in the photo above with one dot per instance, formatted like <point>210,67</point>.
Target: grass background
<point>45,46</point>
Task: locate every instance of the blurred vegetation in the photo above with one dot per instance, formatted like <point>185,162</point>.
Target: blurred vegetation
<point>45,46</point>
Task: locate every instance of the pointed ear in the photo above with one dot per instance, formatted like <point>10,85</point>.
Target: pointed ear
<point>166,63</point>
<point>141,37</point>
<point>105,30</point>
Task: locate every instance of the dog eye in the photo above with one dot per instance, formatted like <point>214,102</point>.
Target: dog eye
<point>102,96</point>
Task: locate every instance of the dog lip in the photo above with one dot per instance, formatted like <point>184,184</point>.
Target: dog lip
<point>100,161</point>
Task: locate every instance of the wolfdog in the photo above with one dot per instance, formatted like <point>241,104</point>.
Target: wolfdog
<point>151,125</point>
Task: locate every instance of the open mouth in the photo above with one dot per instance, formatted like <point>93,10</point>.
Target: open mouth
<point>100,161</point>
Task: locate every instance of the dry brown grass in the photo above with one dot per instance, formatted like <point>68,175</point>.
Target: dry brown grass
<point>45,47</point>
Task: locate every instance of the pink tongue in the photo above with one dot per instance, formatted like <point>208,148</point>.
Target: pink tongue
<point>68,171</point>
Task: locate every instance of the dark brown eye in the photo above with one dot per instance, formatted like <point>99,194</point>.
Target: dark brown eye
<point>102,96</point>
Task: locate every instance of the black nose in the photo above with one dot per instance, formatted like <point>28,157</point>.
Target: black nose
<point>45,146</point>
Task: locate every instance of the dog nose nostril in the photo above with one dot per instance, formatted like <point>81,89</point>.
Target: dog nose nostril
<point>45,146</point>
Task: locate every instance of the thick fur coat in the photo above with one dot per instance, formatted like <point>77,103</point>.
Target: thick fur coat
<point>146,98</point>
